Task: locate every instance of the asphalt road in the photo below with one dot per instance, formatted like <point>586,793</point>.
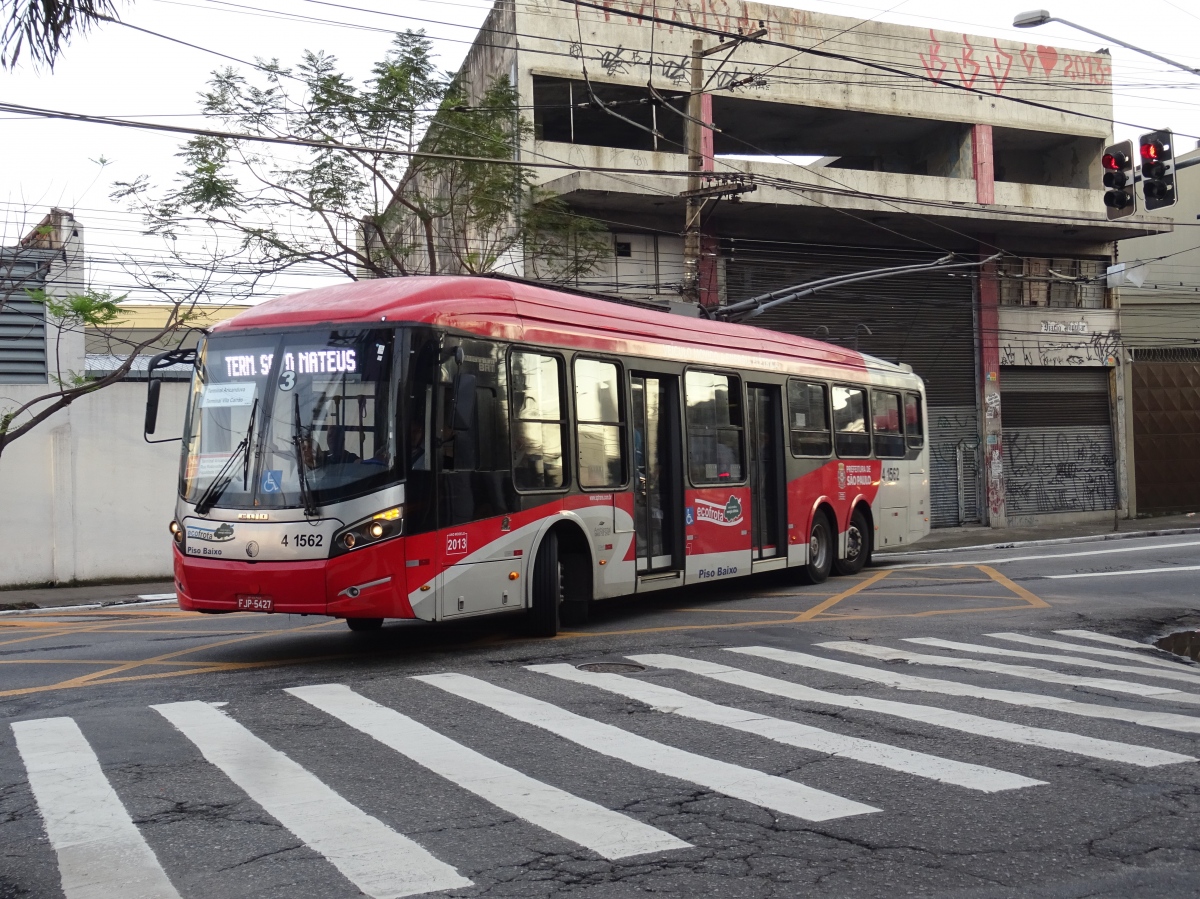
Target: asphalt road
<point>764,740</point>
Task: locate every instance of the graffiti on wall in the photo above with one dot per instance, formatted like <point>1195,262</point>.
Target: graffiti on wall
<point>1058,471</point>
<point>1094,349</point>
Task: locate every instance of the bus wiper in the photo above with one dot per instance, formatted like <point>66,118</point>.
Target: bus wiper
<point>225,476</point>
<point>310,509</point>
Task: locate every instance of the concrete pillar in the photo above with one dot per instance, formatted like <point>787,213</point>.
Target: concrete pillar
<point>982,164</point>
<point>989,391</point>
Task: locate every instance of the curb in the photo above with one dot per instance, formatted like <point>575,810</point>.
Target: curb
<point>90,606</point>
<point>1057,541</point>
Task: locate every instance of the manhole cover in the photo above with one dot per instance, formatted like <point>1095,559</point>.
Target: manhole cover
<point>1182,643</point>
<point>610,667</point>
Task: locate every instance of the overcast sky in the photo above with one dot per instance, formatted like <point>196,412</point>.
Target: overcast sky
<point>119,72</point>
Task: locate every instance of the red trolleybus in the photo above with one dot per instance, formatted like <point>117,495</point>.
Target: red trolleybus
<point>443,447</point>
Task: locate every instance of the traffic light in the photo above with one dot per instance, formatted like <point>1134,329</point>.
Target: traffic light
<point>1158,169</point>
<point>1119,197</point>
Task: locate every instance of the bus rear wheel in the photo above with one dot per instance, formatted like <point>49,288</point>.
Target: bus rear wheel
<point>361,625</point>
<point>858,545</point>
<point>547,590</point>
<point>820,551</point>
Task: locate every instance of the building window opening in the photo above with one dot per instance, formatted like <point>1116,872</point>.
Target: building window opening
<point>563,111</point>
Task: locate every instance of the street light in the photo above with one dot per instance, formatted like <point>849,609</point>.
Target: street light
<point>1035,17</point>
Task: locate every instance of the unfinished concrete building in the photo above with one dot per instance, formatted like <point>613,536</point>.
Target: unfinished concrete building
<point>881,145</point>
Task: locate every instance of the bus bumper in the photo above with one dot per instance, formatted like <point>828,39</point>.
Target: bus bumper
<point>352,586</point>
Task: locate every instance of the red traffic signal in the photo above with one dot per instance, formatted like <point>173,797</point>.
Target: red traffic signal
<point>1118,177</point>
<point>1158,169</point>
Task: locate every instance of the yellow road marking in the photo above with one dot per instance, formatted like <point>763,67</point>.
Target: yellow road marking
<point>1036,601</point>
<point>106,675</point>
<point>820,607</point>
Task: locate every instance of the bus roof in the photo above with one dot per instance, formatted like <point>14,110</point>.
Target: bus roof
<point>524,312</point>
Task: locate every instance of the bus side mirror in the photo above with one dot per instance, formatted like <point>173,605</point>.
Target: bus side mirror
<point>152,390</point>
<point>154,387</point>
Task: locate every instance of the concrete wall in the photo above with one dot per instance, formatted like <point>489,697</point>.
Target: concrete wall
<point>83,497</point>
<point>618,47</point>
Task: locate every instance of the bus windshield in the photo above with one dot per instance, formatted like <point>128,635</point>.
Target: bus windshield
<point>298,419</point>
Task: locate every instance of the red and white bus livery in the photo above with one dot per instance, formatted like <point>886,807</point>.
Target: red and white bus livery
<point>443,447</point>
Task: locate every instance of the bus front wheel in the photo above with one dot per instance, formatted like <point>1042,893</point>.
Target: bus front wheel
<point>360,625</point>
<point>820,551</point>
<point>547,590</point>
<point>858,545</point>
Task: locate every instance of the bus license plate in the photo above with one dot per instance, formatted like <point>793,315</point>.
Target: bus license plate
<point>255,603</point>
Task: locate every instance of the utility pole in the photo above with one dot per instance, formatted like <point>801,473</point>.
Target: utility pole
<point>691,221</point>
<point>694,195</point>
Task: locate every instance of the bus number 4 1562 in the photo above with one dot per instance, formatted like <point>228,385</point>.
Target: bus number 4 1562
<point>304,540</point>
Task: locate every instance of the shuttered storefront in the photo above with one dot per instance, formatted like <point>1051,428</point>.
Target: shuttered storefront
<point>925,320</point>
<point>1166,429</point>
<point>1058,440</point>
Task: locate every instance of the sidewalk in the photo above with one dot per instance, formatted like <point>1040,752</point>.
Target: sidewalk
<point>977,535</point>
<point>56,597</point>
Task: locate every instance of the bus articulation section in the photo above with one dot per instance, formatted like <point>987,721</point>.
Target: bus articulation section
<point>443,447</point>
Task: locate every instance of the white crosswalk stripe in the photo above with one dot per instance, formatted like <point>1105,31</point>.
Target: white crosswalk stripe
<point>1164,720</point>
<point>605,832</point>
<point>1177,675</point>
<point>1027,672</point>
<point>1108,638</point>
<point>748,784</point>
<point>1174,664</point>
<point>379,861</point>
<point>101,853</point>
<point>792,733</point>
<point>1091,747</point>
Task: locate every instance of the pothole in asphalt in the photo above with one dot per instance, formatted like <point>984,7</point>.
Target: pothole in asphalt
<point>611,667</point>
<point>1182,643</point>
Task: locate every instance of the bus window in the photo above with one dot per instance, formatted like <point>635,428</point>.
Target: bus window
<point>808,419</point>
<point>850,422</point>
<point>537,428</point>
<point>600,431</point>
<point>714,423</point>
<point>913,423</point>
<point>885,425</point>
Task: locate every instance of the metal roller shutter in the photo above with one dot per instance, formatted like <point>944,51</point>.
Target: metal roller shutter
<point>1058,440</point>
<point>1166,430</point>
<point>925,320</point>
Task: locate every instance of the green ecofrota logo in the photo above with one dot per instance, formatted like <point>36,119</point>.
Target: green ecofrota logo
<point>219,534</point>
<point>733,509</point>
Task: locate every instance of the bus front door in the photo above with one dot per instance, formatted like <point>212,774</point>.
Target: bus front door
<point>658,489</point>
<point>765,439</point>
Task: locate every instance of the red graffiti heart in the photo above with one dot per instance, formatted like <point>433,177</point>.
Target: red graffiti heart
<point>1048,57</point>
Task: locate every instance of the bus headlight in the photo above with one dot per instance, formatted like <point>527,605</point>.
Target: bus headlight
<point>379,527</point>
<point>176,531</point>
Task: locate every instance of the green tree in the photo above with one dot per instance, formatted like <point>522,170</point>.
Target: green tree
<point>41,28</point>
<point>422,179</point>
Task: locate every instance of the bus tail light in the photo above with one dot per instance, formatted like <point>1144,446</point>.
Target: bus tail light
<point>379,527</point>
